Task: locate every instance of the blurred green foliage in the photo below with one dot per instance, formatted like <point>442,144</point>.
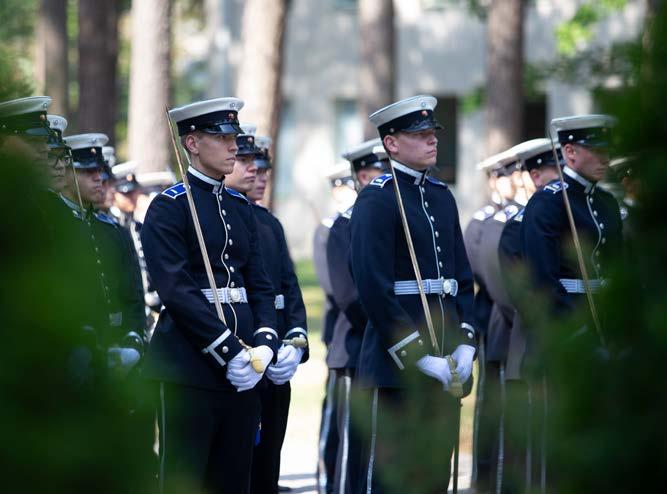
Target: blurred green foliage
<point>578,30</point>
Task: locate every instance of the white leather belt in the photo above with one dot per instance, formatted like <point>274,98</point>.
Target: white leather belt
<point>578,286</point>
<point>227,295</point>
<point>280,302</point>
<point>441,286</point>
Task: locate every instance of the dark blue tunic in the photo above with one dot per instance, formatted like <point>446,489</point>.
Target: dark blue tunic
<point>191,345</point>
<point>380,257</point>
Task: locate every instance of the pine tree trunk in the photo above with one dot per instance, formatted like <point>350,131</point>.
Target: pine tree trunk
<point>150,73</point>
<point>259,76</point>
<point>376,71</point>
<point>504,75</point>
<point>98,60</point>
<point>51,61</point>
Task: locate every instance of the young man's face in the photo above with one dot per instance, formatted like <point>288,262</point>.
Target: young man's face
<point>418,150</point>
<point>212,154</point>
<point>244,174</point>
<point>90,184</point>
<point>32,148</point>
<point>259,187</point>
<point>58,160</point>
<point>590,162</point>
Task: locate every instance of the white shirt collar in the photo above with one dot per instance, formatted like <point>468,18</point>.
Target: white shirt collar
<point>205,178</point>
<point>418,176</point>
<point>588,185</point>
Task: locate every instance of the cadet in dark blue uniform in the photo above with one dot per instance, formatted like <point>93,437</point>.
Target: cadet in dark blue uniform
<point>368,161</point>
<point>479,238</point>
<point>290,318</point>
<point>394,339</point>
<point>343,193</point>
<point>209,410</point>
<point>536,158</point>
<point>547,245</point>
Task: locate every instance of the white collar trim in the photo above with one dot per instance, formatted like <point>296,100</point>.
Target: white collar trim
<point>203,177</point>
<point>418,176</point>
<point>588,186</point>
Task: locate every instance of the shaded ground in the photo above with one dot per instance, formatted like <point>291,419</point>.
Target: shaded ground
<point>299,455</point>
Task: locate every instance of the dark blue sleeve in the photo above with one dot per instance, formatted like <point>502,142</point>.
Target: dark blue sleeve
<point>343,288</point>
<point>466,293</point>
<point>261,296</point>
<point>164,238</point>
<point>295,309</point>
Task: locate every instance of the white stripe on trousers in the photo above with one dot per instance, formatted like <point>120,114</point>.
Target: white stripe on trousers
<point>347,380</point>
<point>501,432</point>
<point>163,438</point>
<point>371,459</point>
<point>324,433</point>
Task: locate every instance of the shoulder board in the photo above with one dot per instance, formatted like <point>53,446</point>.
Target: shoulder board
<point>347,214</point>
<point>381,180</point>
<point>435,181</point>
<point>519,216</point>
<point>511,211</point>
<point>555,187</point>
<point>485,213</point>
<point>500,216</point>
<point>174,191</point>
<point>328,222</point>
<point>105,218</point>
<point>236,194</point>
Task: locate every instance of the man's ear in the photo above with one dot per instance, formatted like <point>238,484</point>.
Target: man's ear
<point>390,144</point>
<point>191,143</point>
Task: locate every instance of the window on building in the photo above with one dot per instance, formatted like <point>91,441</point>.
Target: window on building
<point>285,151</point>
<point>348,129</point>
<point>446,113</point>
<point>535,118</point>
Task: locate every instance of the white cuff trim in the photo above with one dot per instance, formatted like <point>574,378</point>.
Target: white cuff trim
<point>211,348</point>
<point>265,330</point>
<point>394,349</point>
<point>300,331</point>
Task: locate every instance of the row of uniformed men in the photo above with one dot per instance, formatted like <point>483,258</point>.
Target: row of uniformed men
<point>372,293</point>
<point>210,399</point>
<point>527,226</point>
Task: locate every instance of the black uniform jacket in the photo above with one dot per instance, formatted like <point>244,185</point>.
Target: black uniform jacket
<point>351,322</point>
<point>190,344</point>
<point>546,240</point>
<point>291,320</point>
<point>380,257</point>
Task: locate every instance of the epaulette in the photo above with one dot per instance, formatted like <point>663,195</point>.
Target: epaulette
<point>236,194</point>
<point>348,214</point>
<point>519,216</point>
<point>435,181</point>
<point>175,190</point>
<point>105,218</point>
<point>485,213</point>
<point>381,180</point>
<point>511,211</point>
<point>556,187</point>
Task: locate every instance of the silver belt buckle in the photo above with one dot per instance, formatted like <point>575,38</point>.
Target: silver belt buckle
<point>235,295</point>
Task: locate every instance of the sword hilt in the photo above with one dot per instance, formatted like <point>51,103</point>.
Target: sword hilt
<point>298,342</point>
<point>455,387</point>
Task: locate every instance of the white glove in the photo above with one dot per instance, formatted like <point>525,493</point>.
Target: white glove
<point>240,372</point>
<point>463,356</point>
<point>436,367</point>
<point>289,357</point>
<point>121,360</point>
<point>263,353</point>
